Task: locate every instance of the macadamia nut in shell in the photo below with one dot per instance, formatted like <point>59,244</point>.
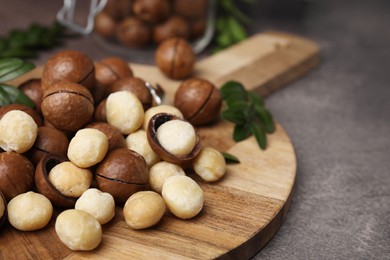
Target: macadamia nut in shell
<point>88,147</point>
<point>100,205</point>
<point>29,211</point>
<point>18,131</point>
<point>183,196</point>
<point>144,209</point>
<point>78,230</point>
<point>124,111</point>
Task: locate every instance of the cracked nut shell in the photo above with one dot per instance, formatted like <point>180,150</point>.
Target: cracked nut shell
<point>122,173</point>
<point>182,160</point>
<point>45,187</point>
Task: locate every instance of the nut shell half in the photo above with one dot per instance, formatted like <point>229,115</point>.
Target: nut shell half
<point>183,160</point>
<point>3,215</point>
<point>45,187</point>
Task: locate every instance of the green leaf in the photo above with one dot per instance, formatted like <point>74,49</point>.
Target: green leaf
<point>14,71</point>
<point>12,95</point>
<point>241,132</point>
<point>256,99</point>
<point>236,116</point>
<point>229,158</point>
<point>237,30</point>
<point>266,117</point>
<point>233,88</point>
<point>20,53</point>
<point>259,134</point>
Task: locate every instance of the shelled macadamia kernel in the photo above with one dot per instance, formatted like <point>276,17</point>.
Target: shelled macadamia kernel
<point>144,209</point>
<point>138,142</point>
<point>160,109</point>
<point>160,172</point>
<point>124,111</point>
<point>78,230</point>
<point>183,196</point>
<point>29,211</point>
<point>209,164</point>
<point>69,179</point>
<point>100,205</point>
<point>18,131</point>
<point>88,147</point>
<point>178,137</point>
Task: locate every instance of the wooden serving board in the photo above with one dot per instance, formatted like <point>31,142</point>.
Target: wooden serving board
<point>243,210</point>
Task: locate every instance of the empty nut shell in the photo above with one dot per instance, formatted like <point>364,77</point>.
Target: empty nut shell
<point>183,160</point>
<point>122,173</point>
<point>45,187</point>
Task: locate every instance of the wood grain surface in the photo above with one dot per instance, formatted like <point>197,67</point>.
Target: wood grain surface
<point>243,210</point>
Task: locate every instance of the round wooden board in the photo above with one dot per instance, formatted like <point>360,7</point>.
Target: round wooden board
<point>242,211</point>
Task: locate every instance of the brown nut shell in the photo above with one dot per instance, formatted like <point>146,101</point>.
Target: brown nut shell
<point>33,113</point>
<point>32,88</point>
<point>45,187</point>
<point>137,87</point>
<point>111,69</point>
<point>122,173</point>
<point>132,32</point>
<point>104,25</point>
<point>100,112</point>
<point>67,106</point>
<point>199,101</point>
<point>69,65</point>
<point>151,11</point>
<point>49,140</point>
<point>183,160</point>
<point>4,216</point>
<point>175,58</point>
<point>115,138</point>
<point>175,26</point>
<point>16,174</point>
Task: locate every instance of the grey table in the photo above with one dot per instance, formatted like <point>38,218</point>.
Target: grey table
<point>337,117</point>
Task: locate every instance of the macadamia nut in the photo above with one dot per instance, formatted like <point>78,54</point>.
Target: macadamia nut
<point>124,111</point>
<point>78,230</point>
<point>144,209</point>
<point>160,172</point>
<point>18,131</point>
<point>177,137</point>
<point>2,207</point>
<point>29,211</point>
<point>100,205</point>
<point>138,142</point>
<point>183,196</point>
<point>209,164</point>
<point>87,147</point>
<point>160,109</point>
<point>69,179</point>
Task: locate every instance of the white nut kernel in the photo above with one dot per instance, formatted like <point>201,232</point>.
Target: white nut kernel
<point>160,109</point>
<point>69,179</point>
<point>18,131</point>
<point>138,142</point>
<point>29,211</point>
<point>183,196</point>
<point>178,137</point>
<point>160,172</point>
<point>209,164</point>
<point>78,230</point>
<point>144,209</point>
<point>124,111</point>
<point>87,147</point>
<point>100,205</point>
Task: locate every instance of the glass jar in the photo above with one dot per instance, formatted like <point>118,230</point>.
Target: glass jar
<point>133,28</point>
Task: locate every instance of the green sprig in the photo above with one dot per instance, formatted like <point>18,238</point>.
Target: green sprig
<point>11,68</point>
<point>247,111</point>
<point>26,43</point>
<point>229,158</point>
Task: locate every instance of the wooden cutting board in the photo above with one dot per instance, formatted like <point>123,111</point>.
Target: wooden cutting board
<point>243,210</point>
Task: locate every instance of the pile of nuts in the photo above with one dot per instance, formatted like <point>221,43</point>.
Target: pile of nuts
<point>97,139</point>
<point>137,23</point>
